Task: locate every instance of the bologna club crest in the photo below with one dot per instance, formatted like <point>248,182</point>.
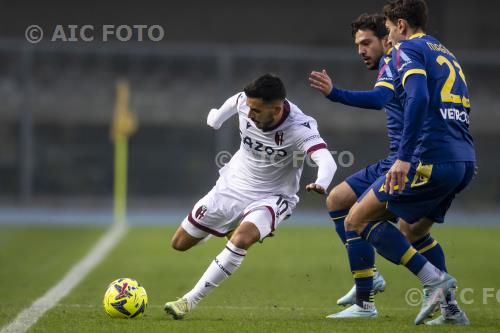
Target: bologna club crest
<point>278,138</point>
<point>200,212</point>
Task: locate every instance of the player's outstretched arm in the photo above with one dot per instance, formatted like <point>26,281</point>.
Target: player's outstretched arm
<point>216,117</point>
<point>326,170</point>
<point>321,82</point>
<point>374,99</point>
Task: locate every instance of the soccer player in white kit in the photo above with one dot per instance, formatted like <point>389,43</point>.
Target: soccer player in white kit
<point>258,188</point>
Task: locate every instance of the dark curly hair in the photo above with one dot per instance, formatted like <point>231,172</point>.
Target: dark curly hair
<point>373,22</point>
<point>413,11</point>
<point>269,87</point>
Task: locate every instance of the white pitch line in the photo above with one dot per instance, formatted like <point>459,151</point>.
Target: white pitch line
<point>29,316</point>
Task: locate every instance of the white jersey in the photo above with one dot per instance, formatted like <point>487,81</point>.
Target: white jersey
<point>269,161</point>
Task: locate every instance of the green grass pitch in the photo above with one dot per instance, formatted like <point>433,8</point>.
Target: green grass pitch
<point>288,284</point>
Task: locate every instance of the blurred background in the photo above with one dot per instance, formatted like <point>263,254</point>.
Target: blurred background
<point>57,98</point>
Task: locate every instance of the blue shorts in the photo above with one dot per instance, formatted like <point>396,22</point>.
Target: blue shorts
<point>429,192</point>
<point>364,178</point>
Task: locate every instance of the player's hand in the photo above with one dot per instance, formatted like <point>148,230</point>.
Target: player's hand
<point>316,188</point>
<point>397,175</point>
<point>321,81</point>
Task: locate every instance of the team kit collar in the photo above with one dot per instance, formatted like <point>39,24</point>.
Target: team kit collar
<point>286,112</point>
<point>417,35</point>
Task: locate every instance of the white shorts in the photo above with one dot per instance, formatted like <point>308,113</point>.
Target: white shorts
<point>223,208</point>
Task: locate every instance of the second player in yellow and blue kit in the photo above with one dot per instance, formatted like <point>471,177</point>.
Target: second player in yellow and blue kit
<point>436,139</point>
<point>435,161</point>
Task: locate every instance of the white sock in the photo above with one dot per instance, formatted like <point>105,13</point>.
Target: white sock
<point>220,269</point>
<point>429,274</point>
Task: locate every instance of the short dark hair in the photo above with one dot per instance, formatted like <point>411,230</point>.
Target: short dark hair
<point>413,11</point>
<point>269,87</point>
<point>373,22</point>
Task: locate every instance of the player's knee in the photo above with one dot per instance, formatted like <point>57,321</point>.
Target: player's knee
<point>246,235</point>
<point>350,223</point>
<point>339,198</point>
<point>413,235</point>
<point>330,201</point>
<point>353,222</point>
<point>241,241</point>
<point>413,232</point>
<point>406,230</point>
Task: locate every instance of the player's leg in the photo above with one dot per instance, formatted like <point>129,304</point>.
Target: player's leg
<point>451,313</point>
<point>182,240</point>
<point>419,235</point>
<point>344,195</point>
<point>419,232</point>
<point>339,201</point>
<point>231,257</point>
<point>256,225</point>
<point>361,259</point>
<point>390,243</point>
<point>429,187</point>
<point>196,226</point>
<point>217,213</point>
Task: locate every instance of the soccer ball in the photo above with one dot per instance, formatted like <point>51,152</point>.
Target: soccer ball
<point>125,298</point>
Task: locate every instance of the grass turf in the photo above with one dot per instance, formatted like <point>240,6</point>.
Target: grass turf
<point>33,259</point>
<point>290,283</point>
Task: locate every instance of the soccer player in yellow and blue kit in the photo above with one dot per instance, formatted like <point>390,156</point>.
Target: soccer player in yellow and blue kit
<point>371,38</point>
<point>435,159</point>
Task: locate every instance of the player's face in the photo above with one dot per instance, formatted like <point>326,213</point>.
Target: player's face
<point>264,114</point>
<point>370,48</point>
<point>395,36</point>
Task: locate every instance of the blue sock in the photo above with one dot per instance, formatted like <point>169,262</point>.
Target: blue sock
<point>430,249</point>
<point>361,260</point>
<point>392,245</point>
<point>338,217</point>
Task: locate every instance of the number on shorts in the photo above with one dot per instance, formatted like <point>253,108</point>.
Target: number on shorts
<point>281,203</point>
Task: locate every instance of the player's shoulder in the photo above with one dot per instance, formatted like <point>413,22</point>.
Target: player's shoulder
<point>410,53</point>
<point>433,45</point>
<point>303,128</point>
<point>298,119</point>
<point>241,98</point>
<point>241,103</point>
<point>417,43</point>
